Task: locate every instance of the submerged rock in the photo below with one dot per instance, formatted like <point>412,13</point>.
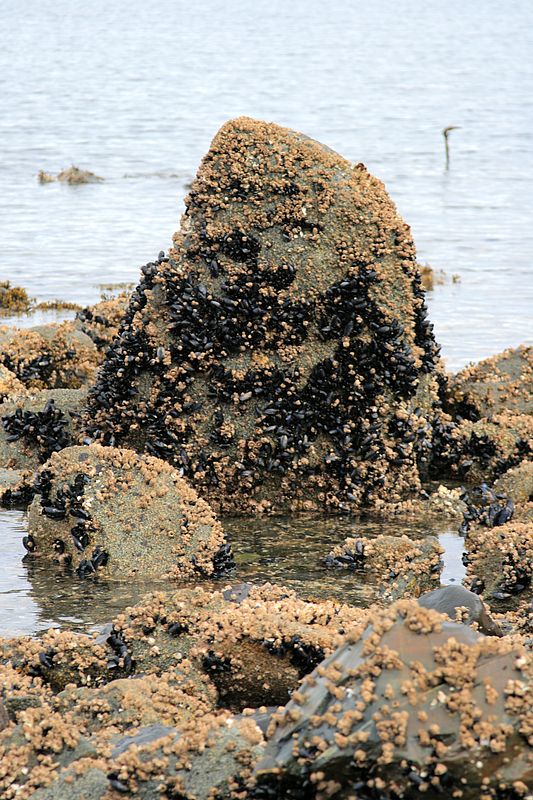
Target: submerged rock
<point>461,605</point>
<point>111,510</point>
<point>501,382</point>
<point>33,427</point>
<point>397,565</point>
<point>55,356</point>
<point>280,355</point>
<point>72,175</point>
<point>416,704</point>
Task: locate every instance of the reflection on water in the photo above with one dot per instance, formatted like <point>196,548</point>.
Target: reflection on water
<point>35,596</point>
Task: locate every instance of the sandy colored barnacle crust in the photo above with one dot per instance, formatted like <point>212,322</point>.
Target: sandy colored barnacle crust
<point>414,704</point>
<point>280,355</point>
<point>109,510</point>
<point>54,356</point>
<point>10,386</point>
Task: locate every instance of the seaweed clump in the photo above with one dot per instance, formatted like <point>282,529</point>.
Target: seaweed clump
<point>280,354</point>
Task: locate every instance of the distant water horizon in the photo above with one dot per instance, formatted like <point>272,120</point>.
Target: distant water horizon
<point>136,91</point>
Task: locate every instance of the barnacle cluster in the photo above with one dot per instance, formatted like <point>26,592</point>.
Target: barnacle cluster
<point>107,508</point>
<point>280,354</point>
<point>55,356</point>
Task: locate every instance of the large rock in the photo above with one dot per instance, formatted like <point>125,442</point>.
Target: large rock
<point>55,356</point>
<point>417,704</point>
<point>33,427</point>
<point>111,510</point>
<point>280,356</point>
<point>504,381</point>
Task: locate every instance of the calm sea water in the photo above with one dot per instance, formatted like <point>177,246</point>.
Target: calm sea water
<point>134,90</point>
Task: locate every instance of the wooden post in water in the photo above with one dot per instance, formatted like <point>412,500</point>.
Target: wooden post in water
<point>445,133</point>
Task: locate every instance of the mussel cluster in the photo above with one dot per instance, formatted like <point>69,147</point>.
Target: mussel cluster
<point>46,430</point>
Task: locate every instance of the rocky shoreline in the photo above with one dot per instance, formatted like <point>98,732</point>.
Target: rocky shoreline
<point>277,360</point>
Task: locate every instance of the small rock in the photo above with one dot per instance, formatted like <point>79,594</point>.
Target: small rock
<point>461,605</point>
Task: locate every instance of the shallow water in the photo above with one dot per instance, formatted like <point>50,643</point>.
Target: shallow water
<point>134,91</point>
<point>286,550</point>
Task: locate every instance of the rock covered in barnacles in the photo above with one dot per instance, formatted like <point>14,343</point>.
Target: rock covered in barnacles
<point>461,605</point>
<point>416,704</point>
<point>131,736</point>
<point>281,354</point>
<point>501,382</point>
<point>10,386</point>
<point>55,356</point>
<point>253,643</point>
<point>483,450</point>
<point>101,322</point>
<point>33,427</point>
<point>111,510</point>
<point>500,563</point>
<point>399,566</point>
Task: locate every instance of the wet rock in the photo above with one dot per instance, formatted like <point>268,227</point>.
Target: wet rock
<point>214,755</point>
<point>280,355</point>
<point>397,565</point>
<point>10,386</point>
<point>461,605</point>
<point>72,175</point>
<point>416,704</point>
<point>500,564</point>
<point>55,356</point>
<point>101,322</point>
<point>501,382</point>
<point>33,427</point>
<point>109,510</point>
<point>483,450</point>
<point>125,704</point>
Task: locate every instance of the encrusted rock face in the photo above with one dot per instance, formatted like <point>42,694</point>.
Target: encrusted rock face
<point>400,566</point>
<point>55,356</point>
<point>416,705</point>
<point>504,381</point>
<point>280,356</point>
<point>101,322</point>
<point>103,508</point>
